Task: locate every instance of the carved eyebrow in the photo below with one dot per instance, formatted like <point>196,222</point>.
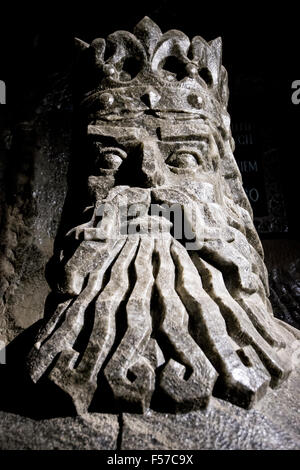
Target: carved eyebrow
<point>122,134</point>
<point>121,153</point>
<point>191,131</point>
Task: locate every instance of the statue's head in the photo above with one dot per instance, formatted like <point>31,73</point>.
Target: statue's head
<point>154,108</point>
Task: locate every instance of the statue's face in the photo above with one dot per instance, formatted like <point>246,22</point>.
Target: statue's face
<point>163,155</point>
<point>194,300</point>
<point>165,163</point>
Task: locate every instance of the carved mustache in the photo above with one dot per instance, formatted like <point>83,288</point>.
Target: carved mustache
<point>197,225</point>
<point>127,211</point>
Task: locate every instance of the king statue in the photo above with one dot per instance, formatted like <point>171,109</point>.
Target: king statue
<point>161,285</point>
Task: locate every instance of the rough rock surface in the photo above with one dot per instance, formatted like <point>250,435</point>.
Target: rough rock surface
<point>275,424</point>
<point>33,173</point>
<point>90,432</point>
<point>282,259</point>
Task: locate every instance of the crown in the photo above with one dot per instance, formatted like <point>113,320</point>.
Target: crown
<point>149,72</point>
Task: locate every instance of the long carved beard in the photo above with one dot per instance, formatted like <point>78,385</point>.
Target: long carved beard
<point>152,319</point>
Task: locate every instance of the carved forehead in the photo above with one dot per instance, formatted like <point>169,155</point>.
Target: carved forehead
<point>184,131</point>
<point>119,133</point>
<point>164,132</point>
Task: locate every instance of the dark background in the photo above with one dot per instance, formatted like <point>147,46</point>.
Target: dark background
<point>261,54</point>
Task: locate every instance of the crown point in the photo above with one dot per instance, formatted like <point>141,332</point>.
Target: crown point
<point>216,42</point>
<point>216,46</point>
<point>146,24</point>
<point>148,33</point>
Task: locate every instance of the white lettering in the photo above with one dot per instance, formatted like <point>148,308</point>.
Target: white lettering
<point>2,92</point>
<point>296,94</point>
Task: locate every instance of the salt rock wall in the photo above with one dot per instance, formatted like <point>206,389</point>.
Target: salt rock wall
<point>33,182</point>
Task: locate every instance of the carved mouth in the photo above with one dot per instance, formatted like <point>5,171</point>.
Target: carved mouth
<point>148,224</point>
<point>154,213</point>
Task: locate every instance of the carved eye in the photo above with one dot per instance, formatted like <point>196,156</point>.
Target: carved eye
<point>183,159</point>
<point>110,158</point>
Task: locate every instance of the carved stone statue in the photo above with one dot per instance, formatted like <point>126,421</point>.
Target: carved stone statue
<point>163,289</point>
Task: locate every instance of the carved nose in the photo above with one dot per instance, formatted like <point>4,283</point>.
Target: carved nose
<point>152,170</point>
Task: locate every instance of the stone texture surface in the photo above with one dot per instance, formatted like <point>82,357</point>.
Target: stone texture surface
<point>274,425</point>
<point>89,432</point>
<point>34,163</point>
<point>282,258</point>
